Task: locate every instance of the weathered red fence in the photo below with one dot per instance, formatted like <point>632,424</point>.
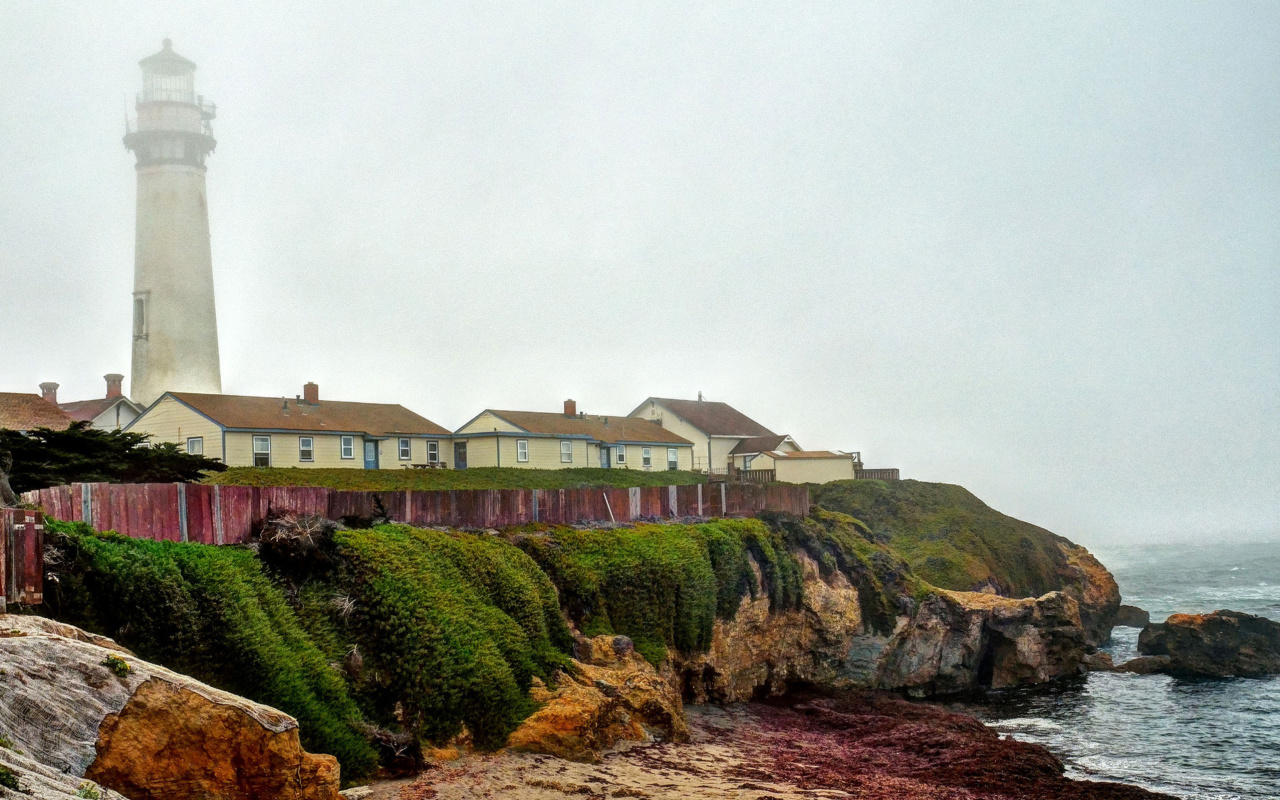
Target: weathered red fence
<point>21,557</point>
<point>188,512</point>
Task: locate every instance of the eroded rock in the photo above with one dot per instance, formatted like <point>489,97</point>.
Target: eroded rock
<point>82,707</point>
<point>613,696</point>
<point>1221,644</point>
<point>1094,589</point>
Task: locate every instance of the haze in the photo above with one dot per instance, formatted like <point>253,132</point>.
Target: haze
<point>1029,249</point>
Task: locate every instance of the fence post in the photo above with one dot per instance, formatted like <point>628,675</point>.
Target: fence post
<point>183,536</point>
<point>535,504</point>
<point>633,500</point>
<point>699,499</point>
<point>86,503</point>
<point>671,501</point>
<point>724,506</point>
<point>219,536</point>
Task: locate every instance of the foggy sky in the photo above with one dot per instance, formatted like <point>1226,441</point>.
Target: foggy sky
<point>1026,248</point>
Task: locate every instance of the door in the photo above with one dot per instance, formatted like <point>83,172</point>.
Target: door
<point>370,455</point>
<point>605,450</point>
<point>459,455</point>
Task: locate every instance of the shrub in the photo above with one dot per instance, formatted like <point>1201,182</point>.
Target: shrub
<point>9,779</point>
<point>211,613</point>
<point>450,627</point>
<point>117,665</point>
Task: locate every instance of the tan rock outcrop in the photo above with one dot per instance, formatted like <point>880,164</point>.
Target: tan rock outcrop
<point>759,652</point>
<point>611,697</point>
<point>141,729</point>
<point>1094,589</point>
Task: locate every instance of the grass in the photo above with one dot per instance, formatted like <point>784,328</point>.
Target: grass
<point>662,585</point>
<point>949,537</point>
<point>388,480</point>
<point>211,613</point>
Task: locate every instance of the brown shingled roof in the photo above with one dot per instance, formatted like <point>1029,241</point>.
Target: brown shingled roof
<point>88,410</point>
<point>268,413</point>
<point>24,412</point>
<point>616,429</point>
<point>758,444</point>
<point>713,418</point>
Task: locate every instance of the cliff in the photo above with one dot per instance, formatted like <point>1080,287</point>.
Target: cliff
<point>387,642</point>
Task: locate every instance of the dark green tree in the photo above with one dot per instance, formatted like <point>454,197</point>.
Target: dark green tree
<point>42,457</point>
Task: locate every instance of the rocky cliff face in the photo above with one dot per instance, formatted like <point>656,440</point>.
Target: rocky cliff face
<point>954,642</point>
<point>1094,589</point>
<point>81,707</point>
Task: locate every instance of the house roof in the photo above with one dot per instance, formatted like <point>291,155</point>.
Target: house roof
<point>713,418</point>
<point>610,430</point>
<point>269,413</point>
<point>89,410</point>
<point>758,444</point>
<point>24,412</point>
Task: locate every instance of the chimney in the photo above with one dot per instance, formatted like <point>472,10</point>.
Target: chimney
<point>114,382</point>
<point>570,408</point>
<point>311,394</point>
<point>49,391</point>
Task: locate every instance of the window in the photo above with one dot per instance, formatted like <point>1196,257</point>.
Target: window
<point>348,447</point>
<point>195,445</point>
<point>405,452</point>
<point>566,452</point>
<point>620,454</point>
<point>140,315</point>
<point>646,457</point>
<point>306,449</point>
<point>433,452</point>
<point>522,449</point>
<point>673,458</point>
<point>262,451</point>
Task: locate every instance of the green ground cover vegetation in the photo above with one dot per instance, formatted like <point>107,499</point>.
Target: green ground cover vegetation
<point>949,537</point>
<point>388,480</point>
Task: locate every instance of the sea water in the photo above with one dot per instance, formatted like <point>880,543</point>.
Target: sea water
<point>1199,739</point>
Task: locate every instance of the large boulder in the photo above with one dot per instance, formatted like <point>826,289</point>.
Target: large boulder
<point>1221,644</point>
<point>610,694</point>
<point>83,707</point>
<point>1132,617</point>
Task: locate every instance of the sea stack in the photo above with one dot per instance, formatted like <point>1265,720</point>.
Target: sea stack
<point>175,328</point>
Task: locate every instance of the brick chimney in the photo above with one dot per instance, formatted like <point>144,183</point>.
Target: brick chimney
<point>114,382</point>
<point>311,393</point>
<point>49,391</point>
<point>570,408</point>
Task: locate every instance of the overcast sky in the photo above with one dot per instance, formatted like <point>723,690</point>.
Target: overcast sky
<point>1026,248</point>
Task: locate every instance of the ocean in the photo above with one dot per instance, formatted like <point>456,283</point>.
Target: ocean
<point>1197,739</point>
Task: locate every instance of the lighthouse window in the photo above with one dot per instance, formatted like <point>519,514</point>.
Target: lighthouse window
<point>140,317</point>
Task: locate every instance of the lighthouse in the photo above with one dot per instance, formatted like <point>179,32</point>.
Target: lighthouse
<point>175,328</point>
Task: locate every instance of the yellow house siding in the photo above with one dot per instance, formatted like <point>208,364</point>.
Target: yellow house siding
<point>486,423</point>
<point>171,421</point>
<point>814,470</point>
<point>720,448</point>
<point>681,428</point>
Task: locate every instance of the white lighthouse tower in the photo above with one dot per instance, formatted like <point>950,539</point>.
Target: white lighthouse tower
<point>175,329</point>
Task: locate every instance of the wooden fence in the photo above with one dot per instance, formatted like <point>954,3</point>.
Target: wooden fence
<point>877,474</point>
<point>188,512</point>
<point>21,557</point>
